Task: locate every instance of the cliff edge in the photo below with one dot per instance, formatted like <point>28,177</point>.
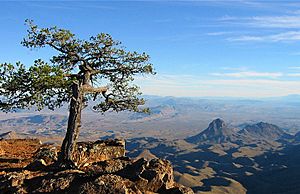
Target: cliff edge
<point>102,168</point>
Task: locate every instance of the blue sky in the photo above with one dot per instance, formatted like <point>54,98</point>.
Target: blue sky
<point>199,48</point>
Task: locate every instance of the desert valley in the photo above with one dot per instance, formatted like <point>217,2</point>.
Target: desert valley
<point>215,146</point>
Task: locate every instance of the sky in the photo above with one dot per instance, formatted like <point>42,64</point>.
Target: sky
<point>214,48</point>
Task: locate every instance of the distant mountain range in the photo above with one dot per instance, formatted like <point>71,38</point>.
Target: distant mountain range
<point>219,132</point>
<point>230,159</point>
<point>256,149</point>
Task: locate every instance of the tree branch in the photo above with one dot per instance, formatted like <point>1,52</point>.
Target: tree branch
<point>89,89</point>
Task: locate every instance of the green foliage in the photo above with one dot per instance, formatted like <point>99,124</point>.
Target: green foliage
<point>41,86</point>
<point>94,62</point>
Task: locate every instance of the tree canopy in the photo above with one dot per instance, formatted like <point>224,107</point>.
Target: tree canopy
<point>100,63</point>
<point>82,70</point>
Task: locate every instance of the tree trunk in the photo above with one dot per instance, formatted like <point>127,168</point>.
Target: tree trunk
<point>74,123</point>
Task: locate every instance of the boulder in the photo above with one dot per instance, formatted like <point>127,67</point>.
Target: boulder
<point>38,164</point>
<point>101,150</point>
<point>107,166</point>
<point>155,176</point>
<point>57,183</point>
<point>109,184</point>
<point>179,189</point>
<point>13,182</point>
<point>48,153</point>
<point>103,169</point>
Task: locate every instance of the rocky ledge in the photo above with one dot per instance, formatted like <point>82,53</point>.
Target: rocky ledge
<point>109,173</point>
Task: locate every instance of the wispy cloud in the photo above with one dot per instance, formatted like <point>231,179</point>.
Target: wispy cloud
<point>67,6</point>
<point>244,74</point>
<point>293,74</point>
<point>188,85</point>
<point>276,21</point>
<point>217,33</point>
<point>295,67</point>
<point>285,21</point>
<point>247,38</point>
<point>280,37</point>
<point>235,68</point>
<point>257,28</point>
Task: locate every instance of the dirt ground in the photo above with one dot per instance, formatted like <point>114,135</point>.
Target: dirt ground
<point>17,153</point>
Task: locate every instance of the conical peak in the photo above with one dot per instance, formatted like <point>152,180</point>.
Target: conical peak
<point>217,124</point>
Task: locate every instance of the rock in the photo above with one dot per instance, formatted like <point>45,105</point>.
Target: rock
<point>13,182</point>
<point>14,178</point>
<point>48,154</point>
<point>109,184</point>
<point>134,170</point>
<point>159,174</point>
<point>156,175</point>
<point>179,189</point>
<point>58,182</point>
<point>110,173</point>
<point>2,151</point>
<point>101,150</point>
<point>108,166</point>
<point>38,164</point>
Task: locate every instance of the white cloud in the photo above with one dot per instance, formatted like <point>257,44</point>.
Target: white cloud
<point>275,21</point>
<point>293,74</point>
<point>242,74</point>
<point>187,85</point>
<point>285,21</point>
<point>246,38</point>
<point>235,68</point>
<point>265,22</point>
<point>280,37</point>
<point>295,67</point>
<point>217,33</point>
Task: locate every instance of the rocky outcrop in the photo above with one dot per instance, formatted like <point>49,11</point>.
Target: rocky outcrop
<point>107,174</point>
<point>109,184</point>
<point>101,150</point>
<point>155,175</point>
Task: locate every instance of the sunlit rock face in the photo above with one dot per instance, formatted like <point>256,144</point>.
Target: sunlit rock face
<point>101,150</point>
<point>101,168</point>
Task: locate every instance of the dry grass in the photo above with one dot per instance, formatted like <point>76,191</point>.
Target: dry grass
<point>17,153</point>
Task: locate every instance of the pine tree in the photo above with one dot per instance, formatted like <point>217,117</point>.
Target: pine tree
<point>97,69</point>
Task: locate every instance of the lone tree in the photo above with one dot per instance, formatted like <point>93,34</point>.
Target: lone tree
<point>96,69</point>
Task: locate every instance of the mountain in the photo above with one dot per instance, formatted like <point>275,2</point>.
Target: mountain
<point>255,158</point>
<point>297,136</point>
<point>171,117</point>
<point>217,132</point>
<point>263,130</point>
